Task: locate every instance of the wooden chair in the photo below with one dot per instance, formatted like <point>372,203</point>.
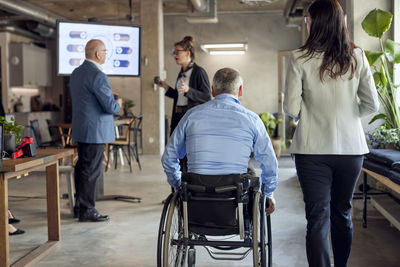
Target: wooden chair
<point>65,130</point>
<point>136,130</point>
<point>125,140</point>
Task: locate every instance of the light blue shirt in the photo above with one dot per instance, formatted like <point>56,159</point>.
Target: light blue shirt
<point>218,137</point>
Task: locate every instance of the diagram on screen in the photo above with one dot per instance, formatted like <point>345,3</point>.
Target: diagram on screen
<point>122,47</point>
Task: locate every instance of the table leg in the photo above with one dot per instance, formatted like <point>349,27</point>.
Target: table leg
<point>4,242</point>
<point>53,202</point>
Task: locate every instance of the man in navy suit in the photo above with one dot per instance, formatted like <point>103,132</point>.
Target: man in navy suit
<point>93,106</point>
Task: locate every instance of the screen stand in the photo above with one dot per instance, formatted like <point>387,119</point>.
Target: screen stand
<point>100,193</point>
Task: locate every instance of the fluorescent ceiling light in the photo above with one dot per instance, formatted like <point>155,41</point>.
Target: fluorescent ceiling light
<point>29,91</point>
<point>225,52</point>
<point>225,49</point>
<point>208,46</point>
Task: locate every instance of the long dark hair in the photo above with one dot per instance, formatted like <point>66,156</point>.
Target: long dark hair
<point>329,35</point>
<point>187,44</point>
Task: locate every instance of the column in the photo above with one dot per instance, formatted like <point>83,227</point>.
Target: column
<point>152,64</point>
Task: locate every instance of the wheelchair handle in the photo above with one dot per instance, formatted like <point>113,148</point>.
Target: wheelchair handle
<point>196,188</point>
<point>223,189</point>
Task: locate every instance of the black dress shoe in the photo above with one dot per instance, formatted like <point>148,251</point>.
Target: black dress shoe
<point>93,217</point>
<point>13,220</point>
<point>17,232</point>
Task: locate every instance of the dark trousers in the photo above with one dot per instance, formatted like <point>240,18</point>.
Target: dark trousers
<point>328,183</point>
<point>87,171</point>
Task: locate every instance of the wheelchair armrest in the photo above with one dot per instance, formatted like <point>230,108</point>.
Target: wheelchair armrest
<point>223,189</point>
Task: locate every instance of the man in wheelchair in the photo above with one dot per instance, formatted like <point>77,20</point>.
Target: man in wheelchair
<point>218,137</point>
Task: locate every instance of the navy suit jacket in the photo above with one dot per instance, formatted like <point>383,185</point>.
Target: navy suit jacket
<point>93,105</point>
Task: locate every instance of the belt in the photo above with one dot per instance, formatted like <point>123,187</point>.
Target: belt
<point>181,109</point>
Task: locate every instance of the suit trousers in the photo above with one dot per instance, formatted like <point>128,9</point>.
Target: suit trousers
<point>328,182</point>
<point>87,171</point>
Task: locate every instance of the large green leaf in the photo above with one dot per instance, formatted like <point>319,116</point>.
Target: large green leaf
<point>383,76</point>
<point>378,79</point>
<point>393,51</point>
<point>377,22</point>
<point>379,116</point>
<point>372,56</point>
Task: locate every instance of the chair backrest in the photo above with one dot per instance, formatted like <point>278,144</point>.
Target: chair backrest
<point>136,128</point>
<point>212,202</point>
<point>124,131</point>
<point>65,130</point>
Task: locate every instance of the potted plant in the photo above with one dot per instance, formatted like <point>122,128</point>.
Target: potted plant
<point>270,123</point>
<point>17,103</point>
<point>12,134</point>
<point>127,104</point>
<point>375,24</point>
<point>383,137</point>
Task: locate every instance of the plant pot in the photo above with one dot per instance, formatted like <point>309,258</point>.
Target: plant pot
<point>277,145</point>
<point>9,143</point>
<point>18,108</point>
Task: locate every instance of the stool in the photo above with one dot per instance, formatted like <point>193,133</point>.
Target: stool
<point>69,175</point>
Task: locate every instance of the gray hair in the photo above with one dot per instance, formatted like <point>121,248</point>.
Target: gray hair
<point>227,80</point>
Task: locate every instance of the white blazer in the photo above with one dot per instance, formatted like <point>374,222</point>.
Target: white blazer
<point>329,112</point>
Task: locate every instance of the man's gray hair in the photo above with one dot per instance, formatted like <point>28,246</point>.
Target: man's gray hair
<point>227,80</point>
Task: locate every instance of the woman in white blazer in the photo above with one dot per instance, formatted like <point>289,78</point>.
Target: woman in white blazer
<point>329,87</point>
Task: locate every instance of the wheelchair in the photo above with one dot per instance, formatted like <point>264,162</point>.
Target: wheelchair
<point>208,208</point>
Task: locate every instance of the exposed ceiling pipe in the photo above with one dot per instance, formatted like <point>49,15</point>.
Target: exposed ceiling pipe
<point>290,5</point>
<point>19,31</point>
<point>199,5</point>
<point>30,11</point>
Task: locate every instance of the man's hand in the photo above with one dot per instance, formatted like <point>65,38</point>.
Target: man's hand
<point>119,101</point>
<point>271,206</point>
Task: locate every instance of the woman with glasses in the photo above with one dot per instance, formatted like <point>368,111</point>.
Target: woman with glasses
<point>329,87</point>
<point>192,85</point>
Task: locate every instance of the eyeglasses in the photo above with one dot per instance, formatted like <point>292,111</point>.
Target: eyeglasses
<point>104,50</point>
<point>176,52</point>
<point>305,19</point>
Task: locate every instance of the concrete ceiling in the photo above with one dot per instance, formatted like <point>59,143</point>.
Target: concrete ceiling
<point>29,15</point>
<point>119,9</point>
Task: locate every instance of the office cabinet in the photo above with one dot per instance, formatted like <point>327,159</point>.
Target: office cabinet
<point>29,65</point>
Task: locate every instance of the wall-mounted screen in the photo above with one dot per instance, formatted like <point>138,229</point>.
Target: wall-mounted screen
<point>122,44</point>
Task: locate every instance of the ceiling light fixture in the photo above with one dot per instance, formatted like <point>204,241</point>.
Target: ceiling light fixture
<point>225,49</point>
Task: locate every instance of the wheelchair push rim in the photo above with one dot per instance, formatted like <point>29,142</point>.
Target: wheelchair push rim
<point>259,241</point>
<point>174,251</point>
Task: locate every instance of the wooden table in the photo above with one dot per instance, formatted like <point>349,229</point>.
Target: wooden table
<point>18,168</point>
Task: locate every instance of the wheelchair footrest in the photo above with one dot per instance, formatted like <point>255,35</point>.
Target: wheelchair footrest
<point>235,256</point>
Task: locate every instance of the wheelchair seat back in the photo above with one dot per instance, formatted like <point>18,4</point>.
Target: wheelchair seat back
<point>212,201</point>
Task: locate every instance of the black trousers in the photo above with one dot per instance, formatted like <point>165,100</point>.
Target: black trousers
<point>328,183</point>
<point>87,171</point>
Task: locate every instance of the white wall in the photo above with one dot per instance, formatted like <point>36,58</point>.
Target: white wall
<point>265,34</point>
<point>366,42</point>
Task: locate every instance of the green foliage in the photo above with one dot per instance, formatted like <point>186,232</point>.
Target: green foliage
<point>270,122</point>
<point>375,24</point>
<point>128,103</point>
<point>12,128</point>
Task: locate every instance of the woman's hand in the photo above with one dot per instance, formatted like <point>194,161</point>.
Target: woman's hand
<point>163,84</point>
<point>184,87</point>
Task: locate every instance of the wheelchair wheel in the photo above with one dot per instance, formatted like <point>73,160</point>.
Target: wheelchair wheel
<point>161,230</point>
<point>259,244</point>
<point>174,251</point>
